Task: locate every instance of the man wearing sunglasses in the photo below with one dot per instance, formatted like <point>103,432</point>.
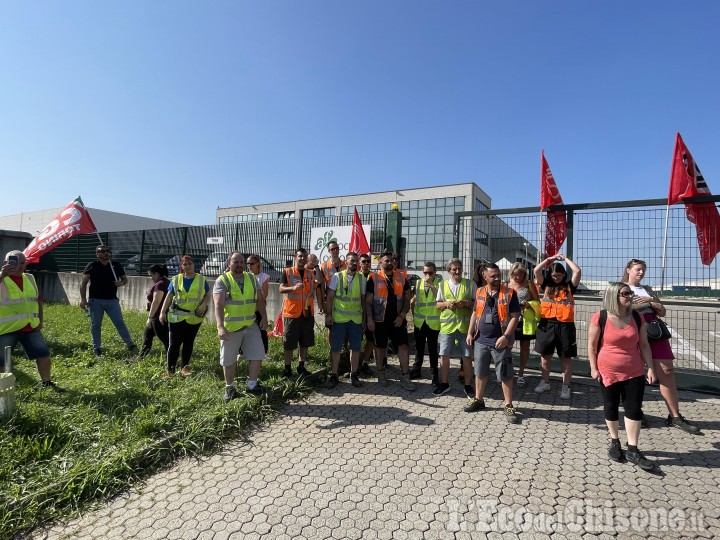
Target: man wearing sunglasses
<point>426,316</point>
<point>104,277</point>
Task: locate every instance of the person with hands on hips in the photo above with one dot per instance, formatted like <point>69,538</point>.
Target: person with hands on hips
<point>556,330</point>
<point>617,349</point>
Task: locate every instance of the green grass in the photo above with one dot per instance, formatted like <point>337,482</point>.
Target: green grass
<point>117,423</point>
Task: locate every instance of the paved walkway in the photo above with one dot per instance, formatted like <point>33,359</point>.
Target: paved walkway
<point>385,463</point>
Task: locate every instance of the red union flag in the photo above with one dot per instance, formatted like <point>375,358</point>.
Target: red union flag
<point>358,240</point>
<point>73,220</point>
<point>556,224</point>
<point>687,181</point>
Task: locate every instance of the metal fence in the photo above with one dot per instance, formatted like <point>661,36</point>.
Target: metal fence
<point>602,238</point>
<point>275,240</point>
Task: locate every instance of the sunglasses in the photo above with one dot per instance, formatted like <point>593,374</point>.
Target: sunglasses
<point>626,294</point>
<point>428,273</point>
<point>633,262</point>
<point>103,251</point>
<point>365,261</point>
<point>335,249</point>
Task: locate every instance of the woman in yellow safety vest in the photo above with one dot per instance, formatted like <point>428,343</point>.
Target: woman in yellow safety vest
<point>184,309</point>
<point>556,330</point>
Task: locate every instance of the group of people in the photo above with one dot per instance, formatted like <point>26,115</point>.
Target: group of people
<point>478,320</point>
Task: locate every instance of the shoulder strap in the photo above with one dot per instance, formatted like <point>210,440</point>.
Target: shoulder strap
<point>601,323</point>
<point>636,316</point>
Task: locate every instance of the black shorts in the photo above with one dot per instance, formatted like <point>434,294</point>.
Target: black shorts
<point>555,336</point>
<point>387,330</point>
<point>298,331</point>
<point>370,336</point>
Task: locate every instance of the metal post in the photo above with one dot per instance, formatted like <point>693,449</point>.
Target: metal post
<point>8,359</point>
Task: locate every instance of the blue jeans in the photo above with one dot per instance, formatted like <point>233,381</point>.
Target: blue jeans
<point>98,308</point>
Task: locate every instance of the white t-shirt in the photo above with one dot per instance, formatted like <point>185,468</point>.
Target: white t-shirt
<point>261,278</point>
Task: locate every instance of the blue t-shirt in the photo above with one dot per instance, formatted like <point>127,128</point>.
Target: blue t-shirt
<point>187,283</point>
<point>488,333</point>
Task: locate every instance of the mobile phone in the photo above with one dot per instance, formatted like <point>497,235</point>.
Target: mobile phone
<point>13,260</point>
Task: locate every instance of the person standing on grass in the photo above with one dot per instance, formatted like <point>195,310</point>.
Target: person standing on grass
<point>648,304</point>
<point>184,309</point>
<point>237,297</point>
<point>387,301</point>
<point>455,299</point>
<point>617,351</point>
<point>104,277</point>
<point>556,330</point>
<point>298,285</point>
<point>492,330</point>
<point>346,313</point>
<point>21,316</point>
<point>426,317</point>
<point>263,280</point>
<point>155,297</point>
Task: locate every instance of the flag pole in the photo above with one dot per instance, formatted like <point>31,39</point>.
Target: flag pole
<point>99,239</point>
<point>664,249</point>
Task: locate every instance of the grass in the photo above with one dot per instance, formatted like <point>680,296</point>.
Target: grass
<point>117,422</point>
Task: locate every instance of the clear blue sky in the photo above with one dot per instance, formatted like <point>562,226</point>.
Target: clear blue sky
<point>172,108</point>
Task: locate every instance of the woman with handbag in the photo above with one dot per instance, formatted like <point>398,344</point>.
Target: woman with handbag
<point>184,309</point>
<point>529,300</point>
<point>647,303</point>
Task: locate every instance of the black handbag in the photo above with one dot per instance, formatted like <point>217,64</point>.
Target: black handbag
<point>657,330</point>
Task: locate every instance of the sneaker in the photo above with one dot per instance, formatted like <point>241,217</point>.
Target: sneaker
<point>355,380</point>
<point>52,386</point>
<point>167,375</point>
<point>564,393</point>
<point>542,387</point>
<point>332,381</point>
<point>97,351</point>
<point>637,457</point>
<point>185,371</point>
<point>510,414</point>
<point>615,452</point>
<point>365,369</point>
<point>230,394</point>
<point>441,388</point>
<point>416,372</point>
<point>382,377</point>
<point>287,372</point>
<point>469,391</point>
<point>301,369</point>
<point>520,382</point>
<point>406,383</point>
<point>681,423</point>
<point>474,405</point>
<point>133,348</point>
<point>461,375</point>
<point>257,391</point>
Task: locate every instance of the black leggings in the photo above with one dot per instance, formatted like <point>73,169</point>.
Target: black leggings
<point>263,333</point>
<point>630,392</point>
<point>181,334</point>
<point>156,329</point>
<point>423,335</point>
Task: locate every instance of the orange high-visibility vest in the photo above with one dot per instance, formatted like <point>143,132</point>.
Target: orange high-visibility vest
<point>380,294</point>
<point>295,301</point>
<point>561,307</point>
<point>504,296</point>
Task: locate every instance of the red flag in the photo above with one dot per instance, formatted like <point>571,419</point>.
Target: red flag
<point>73,220</point>
<point>358,240</point>
<point>278,329</point>
<point>686,181</point>
<point>556,224</point>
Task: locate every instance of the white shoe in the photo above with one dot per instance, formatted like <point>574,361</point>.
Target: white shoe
<point>565,392</point>
<point>520,382</point>
<point>542,387</point>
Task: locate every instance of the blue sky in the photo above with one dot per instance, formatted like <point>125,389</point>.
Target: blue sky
<point>171,109</point>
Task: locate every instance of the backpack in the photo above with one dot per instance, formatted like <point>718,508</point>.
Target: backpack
<point>603,321</point>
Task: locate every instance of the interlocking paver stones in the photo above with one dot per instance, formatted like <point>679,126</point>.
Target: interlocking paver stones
<point>379,463</point>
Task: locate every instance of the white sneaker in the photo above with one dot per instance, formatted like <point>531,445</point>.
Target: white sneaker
<point>520,382</point>
<point>565,392</point>
<point>542,387</point>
